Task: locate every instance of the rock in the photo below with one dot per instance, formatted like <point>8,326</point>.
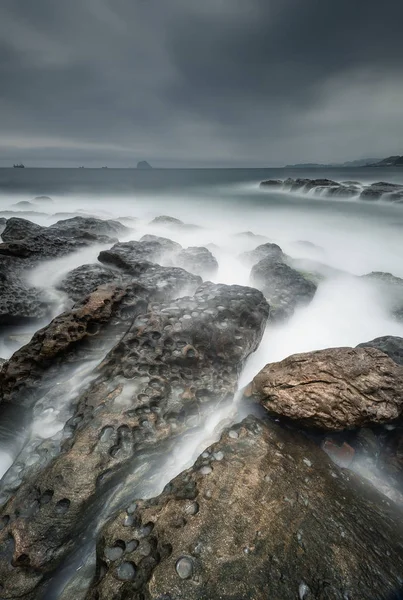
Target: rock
<point>24,204</point>
<point>18,229</point>
<point>143,164</point>
<point>57,240</point>
<point>305,185</point>
<point>136,257</point>
<point>3,223</point>
<point>284,287</point>
<point>267,251</point>
<point>168,282</point>
<point>20,303</point>
<point>271,183</point>
<point>258,529</point>
<point>391,289</point>
<point>166,244</point>
<point>333,389</point>
<point>43,199</point>
<point>175,359</point>
<point>165,220</point>
<point>91,225</point>
<point>389,344</point>
<point>377,190</point>
<point>197,260</point>
<point>342,191</point>
<point>83,280</point>
<point>32,368</point>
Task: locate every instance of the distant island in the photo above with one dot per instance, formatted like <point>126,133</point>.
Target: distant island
<point>391,161</point>
<point>143,164</point>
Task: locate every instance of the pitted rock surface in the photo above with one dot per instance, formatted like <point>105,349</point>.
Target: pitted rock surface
<point>174,360</point>
<point>389,344</point>
<point>24,378</point>
<point>333,389</point>
<point>83,280</point>
<point>197,260</point>
<point>19,303</point>
<point>263,513</point>
<point>284,287</point>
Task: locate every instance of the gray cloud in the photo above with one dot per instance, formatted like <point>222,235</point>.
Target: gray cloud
<point>223,82</point>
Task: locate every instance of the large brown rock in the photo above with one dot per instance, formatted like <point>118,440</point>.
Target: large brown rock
<point>175,360</point>
<point>263,514</point>
<point>333,389</point>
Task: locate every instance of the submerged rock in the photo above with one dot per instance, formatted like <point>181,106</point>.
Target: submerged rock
<point>197,260</point>
<point>43,199</point>
<point>377,190</point>
<point>333,389</point>
<point>284,287</point>
<point>258,531</point>
<point>174,360</point>
<point>166,220</point>
<point>272,183</point>
<point>267,251</point>
<point>391,290</point>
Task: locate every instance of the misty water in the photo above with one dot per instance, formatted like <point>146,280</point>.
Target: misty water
<point>347,239</point>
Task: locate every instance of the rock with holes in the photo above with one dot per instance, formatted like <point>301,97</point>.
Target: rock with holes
<point>267,251</point>
<point>285,288</point>
<point>134,257</point>
<point>248,521</point>
<point>32,369</point>
<point>197,260</point>
<point>168,246</point>
<point>52,242</point>
<point>83,280</point>
<point>333,389</point>
<point>389,344</point>
<point>19,302</point>
<point>176,359</point>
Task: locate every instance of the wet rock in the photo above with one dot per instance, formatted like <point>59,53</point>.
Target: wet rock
<point>101,227</point>
<point>197,260</point>
<point>377,190</point>
<point>306,185</point>
<point>168,282</point>
<point>31,370</point>
<point>83,280</point>
<point>271,183</point>
<point>166,244</point>
<point>389,344</point>
<point>333,389</point>
<point>343,191</point>
<point>235,547</point>
<point>175,359</point>
<point>18,229</point>
<point>267,251</point>
<point>57,240</point>
<point>133,257</point>
<point>3,223</point>
<point>250,236</point>
<point>284,287</point>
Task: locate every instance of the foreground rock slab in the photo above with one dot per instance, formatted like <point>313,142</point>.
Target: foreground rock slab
<point>333,389</point>
<point>175,360</point>
<point>262,514</point>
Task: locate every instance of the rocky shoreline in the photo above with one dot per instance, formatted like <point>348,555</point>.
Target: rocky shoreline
<point>389,192</point>
<point>301,499</point>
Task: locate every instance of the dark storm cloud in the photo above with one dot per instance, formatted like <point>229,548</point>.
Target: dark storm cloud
<point>184,82</point>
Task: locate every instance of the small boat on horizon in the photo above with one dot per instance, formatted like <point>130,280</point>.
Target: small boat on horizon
<point>19,166</point>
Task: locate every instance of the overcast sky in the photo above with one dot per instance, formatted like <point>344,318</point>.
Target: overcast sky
<point>199,82</point>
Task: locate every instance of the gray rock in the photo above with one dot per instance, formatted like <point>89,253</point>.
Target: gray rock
<point>197,260</point>
<point>83,280</point>
<point>389,344</point>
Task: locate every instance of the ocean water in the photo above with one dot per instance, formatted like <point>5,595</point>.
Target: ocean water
<point>347,237</point>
